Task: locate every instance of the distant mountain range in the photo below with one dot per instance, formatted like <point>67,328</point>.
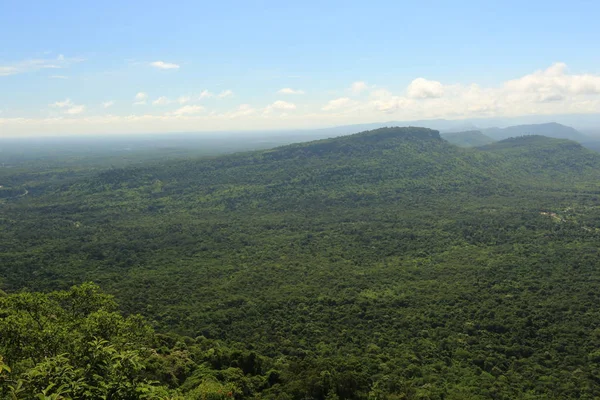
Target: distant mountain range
<point>465,133</point>
<point>486,127</point>
<point>552,129</point>
<point>468,138</point>
<point>478,138</point>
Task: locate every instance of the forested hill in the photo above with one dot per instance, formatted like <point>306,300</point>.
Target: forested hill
<point>404,157</point>
<point>409,157</point>
<point>551,129</point>
<point>468,138</point>
<point>389,264</point>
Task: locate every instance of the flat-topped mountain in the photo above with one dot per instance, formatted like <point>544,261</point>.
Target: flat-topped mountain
<point>402,157</point>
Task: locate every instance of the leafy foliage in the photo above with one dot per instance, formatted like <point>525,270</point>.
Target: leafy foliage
<point>70,345</point>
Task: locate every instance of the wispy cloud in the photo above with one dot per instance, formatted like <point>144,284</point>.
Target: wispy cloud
<point>161,101</point>
<point>9,70</point>
<point>358,87</point>
<point>108,104</point>
<point>188,110</point>
<point>36,64</point>
<point>225,93</point>
<point>244,110</point>
<point>290,91</point>
<point>280,105</point>
<point>62,104</point>
<point>59,77</point>
<point>76,109</point>
<point>140,99</point>
<point>164,65</point>
<point>338,104</point>
<point>549,91</point>
<point>206,94</point>
<point>69,107</point>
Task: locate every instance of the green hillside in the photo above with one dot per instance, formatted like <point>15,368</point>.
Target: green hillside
<point>389,264</point>
<point>551,129</point>
<point>468,138</point>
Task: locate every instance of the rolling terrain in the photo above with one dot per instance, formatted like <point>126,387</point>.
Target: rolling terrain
<point>389,264</point>
<point>468,138</point>
<point>552,129</point>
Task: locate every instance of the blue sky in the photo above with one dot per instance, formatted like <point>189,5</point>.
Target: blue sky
<point>78,67</point>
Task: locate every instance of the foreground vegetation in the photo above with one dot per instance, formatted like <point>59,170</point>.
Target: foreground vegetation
<point>384,265</point>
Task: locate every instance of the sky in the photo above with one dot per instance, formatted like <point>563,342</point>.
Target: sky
<point>120,67</point>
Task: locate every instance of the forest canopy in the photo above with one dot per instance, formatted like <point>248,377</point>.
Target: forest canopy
<point>389,264</point>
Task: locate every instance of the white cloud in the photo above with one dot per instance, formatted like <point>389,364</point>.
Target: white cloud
<point>290,91</point>
<point>554,82</point>
<point>339,104</point>
<point>31,65</point>
<point>550,91</point>
<point>69,107</point>
<point>140,99</point>
<point>108,104</point>
<point>164,65</point>
<point>76,109</point>
<point>244,110</point>
<point>280,105</point>
<point>161,101</point>
<point>188,110</point>
<point>422,88</point>
<point>59,77</point>
<point>5,71</point>
<point>358,87</point>
<point>62,104</point>
<point>225,93</point>
<point>383,100</point>
<point>184,99</point>
<point>205,94</point>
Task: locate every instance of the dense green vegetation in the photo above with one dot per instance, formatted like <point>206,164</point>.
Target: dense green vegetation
<point>73,344</point>
<point>468,138</point>
<point>388,264</point>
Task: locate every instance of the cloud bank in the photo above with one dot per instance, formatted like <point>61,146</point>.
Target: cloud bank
<point>550,91</point>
